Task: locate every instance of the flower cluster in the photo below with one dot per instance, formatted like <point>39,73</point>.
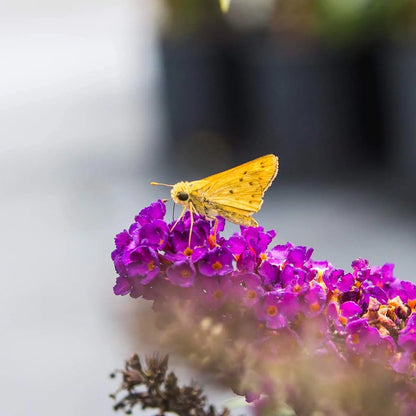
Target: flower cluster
<point>359,315</point>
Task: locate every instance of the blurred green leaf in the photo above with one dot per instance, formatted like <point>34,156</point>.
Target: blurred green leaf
<point>225,5</point>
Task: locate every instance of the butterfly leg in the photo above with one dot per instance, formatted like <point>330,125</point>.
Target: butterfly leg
<point>192,223</point>
<point>180,217</point>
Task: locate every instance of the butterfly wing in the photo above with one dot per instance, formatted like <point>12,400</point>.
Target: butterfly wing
<point>237,193</point>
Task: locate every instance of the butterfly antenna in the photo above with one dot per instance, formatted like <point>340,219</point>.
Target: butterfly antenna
<point>162,184</point>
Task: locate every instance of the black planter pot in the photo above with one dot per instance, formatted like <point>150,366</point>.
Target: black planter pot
<point>397,66</point>
<point>230,99</point>
<point>195,91</point>
<point>305,104</point>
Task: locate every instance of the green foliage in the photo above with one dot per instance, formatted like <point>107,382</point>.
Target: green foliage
<point>346,21</point>
<point>189,16</point>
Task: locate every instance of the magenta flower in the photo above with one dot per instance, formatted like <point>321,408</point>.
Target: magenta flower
<point>337,279</point>
<point>155,211</point>
<point>247,288</point>
<point>281,294</point>
<point>212,292</point>
<point>154,234</point>
<point>278,310</point>
<point>313,301</point>
<point>270,274</point>
<point>271,312</point>
<point>122,286</point>
<point>350,310</point>
<point>407,336</point>
<point>143,262</point>
<point>181,273</point>
<point>361,336</point>
<point>217,261</point>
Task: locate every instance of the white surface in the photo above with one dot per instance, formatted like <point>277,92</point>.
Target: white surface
<point>77,110</point>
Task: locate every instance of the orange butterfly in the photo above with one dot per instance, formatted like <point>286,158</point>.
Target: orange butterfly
<point>235,194</point>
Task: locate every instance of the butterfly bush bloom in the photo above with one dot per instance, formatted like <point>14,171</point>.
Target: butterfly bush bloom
<point>279,298</point>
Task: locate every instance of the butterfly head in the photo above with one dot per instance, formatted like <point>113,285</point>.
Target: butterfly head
<point>180,193</point>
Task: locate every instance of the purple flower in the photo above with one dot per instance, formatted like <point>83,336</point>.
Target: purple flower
<point>247,287</point>
<point>405,290</point>
<point>350,309</point>
<point>247,261</point>
<point>320,266</point>
<point>156,211</point>
<point>216,262</point>
<point>122,286</point>
<point>294,279</point>
<point>157,289</point>
<point>370,291</point>
<point>407,337</point>
<point>340,315</point>
<point>299,255</point>
<point>314,301</point>
<point>154,234</point>
<point>237,244</point>
<point>359,264</point>
<point>402,362</point>
<point>361,337</point>
<point>270,274</point>
<point>212,291</point>
<point>270,312</point>
<point>181,273</point>
<point>256,239</point>
<point>278,255</point>
<point>277,309</point>
<point>179,237</point>
<point>336,279</point>
<point>279,293</point>
<point>143,262</point>
<point>122,240</point>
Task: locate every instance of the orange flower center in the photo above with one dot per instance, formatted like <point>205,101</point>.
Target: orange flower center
<point>271,310</point>
<point>355,339</point>
<point>185,273</point>
<point>188,251</point>
<point>297,288</point>
<point>251,294</point>
<point>314,307</point>
<point>343,320</point>
<point>151,265</point>
<point>218,294</point>
<point>217,265</point>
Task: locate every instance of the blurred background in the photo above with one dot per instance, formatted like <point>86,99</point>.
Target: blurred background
<point>98,98</point>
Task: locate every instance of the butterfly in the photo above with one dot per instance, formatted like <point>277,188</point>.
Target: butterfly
<point>235,194</point>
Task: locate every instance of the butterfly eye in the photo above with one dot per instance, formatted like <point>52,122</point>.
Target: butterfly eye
<point>182,196</point>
